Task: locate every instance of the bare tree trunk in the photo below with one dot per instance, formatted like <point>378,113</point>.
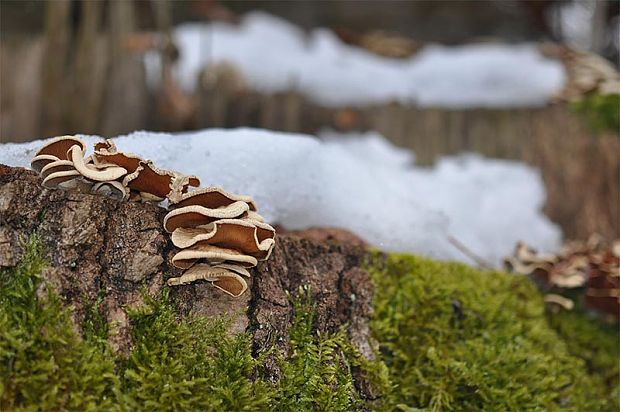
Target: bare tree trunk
<point>599,27</point>
<point>125,99</point>
<point>58,38</point>
<point>90,68</point>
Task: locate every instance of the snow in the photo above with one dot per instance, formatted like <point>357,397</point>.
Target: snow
<point>358,182</point>
<point>274,55</point>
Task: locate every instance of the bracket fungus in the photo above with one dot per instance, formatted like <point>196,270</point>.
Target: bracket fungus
<point>220,234</point>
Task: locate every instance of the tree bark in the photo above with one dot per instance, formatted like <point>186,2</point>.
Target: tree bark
<point>101,249</point>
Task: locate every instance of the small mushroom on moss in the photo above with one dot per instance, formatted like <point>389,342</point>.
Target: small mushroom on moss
<point>192,216</point>
<point>222,278</point>
<point>252,238</point>
<point>212,254</point>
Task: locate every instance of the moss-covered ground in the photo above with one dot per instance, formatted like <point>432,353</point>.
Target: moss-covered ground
<point>450,338</point>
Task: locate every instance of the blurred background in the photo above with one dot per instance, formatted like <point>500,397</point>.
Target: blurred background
<point>534,81</point>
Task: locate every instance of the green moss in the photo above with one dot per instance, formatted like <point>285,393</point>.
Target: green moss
<point>602,112</point>
<point>188,364</point>
<point>455,338</point>
<point>43,364</point>
<point>451,338</point>
<point>597,343</point>
<point>316,374</point>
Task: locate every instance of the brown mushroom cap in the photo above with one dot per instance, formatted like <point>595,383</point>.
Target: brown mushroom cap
<point>59,147</point>
<point>100,175</point>
<point>213,197</point>
<point>107,145</point>
<point>39,162</point>
<point>148,178</point>
<point>128,161</point>
<point>252,238</point>
<point>228,281</point>
<point>212,254</point>
<point>56,166</point>
<point>192,216</point>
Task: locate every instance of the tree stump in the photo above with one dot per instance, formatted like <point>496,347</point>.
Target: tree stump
<point>100,249</point>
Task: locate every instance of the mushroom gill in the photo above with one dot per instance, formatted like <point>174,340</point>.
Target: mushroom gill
<point>212,254</point>
<point>221,277</point>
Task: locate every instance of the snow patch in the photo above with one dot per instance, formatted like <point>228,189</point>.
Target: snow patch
<point>358,182</point>
<point>274,55</point>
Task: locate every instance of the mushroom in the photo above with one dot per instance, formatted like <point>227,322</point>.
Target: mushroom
<point>55,179</point>
<point>39,162</point>
<point>113,189</point>
<point>192,216</point>
<point>105,174</point>
<point>213,254</point>
<point>222,278</point>
<point>180,184</point>
<point>252,238</point>
<point>148,178</point>
<point>213,197</point>
<point>106,153</point>
<point>56,166</point>
<point>55,149</point>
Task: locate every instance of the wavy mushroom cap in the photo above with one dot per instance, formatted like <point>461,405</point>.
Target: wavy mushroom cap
<point>56,166</point>
<point>60,146</point>
<point>128,161</point>
<point>192,216</point>
<point>212,254</point>
<point>39,162</point>
<point>112,189</point>
<point>100,175</point>
<point>222,278</point>
<point>54,179</point>
<point>149,179</point>
<point>251,238</point>
<point>213,197</point>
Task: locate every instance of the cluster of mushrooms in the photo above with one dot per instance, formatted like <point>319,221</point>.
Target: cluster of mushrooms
<point>592,266</point>
<point>220,235</point>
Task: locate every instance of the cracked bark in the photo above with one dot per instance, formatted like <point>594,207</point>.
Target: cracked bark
<point>99,248</point>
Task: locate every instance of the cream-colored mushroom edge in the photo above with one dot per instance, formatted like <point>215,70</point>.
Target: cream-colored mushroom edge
<point>220,235</point>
